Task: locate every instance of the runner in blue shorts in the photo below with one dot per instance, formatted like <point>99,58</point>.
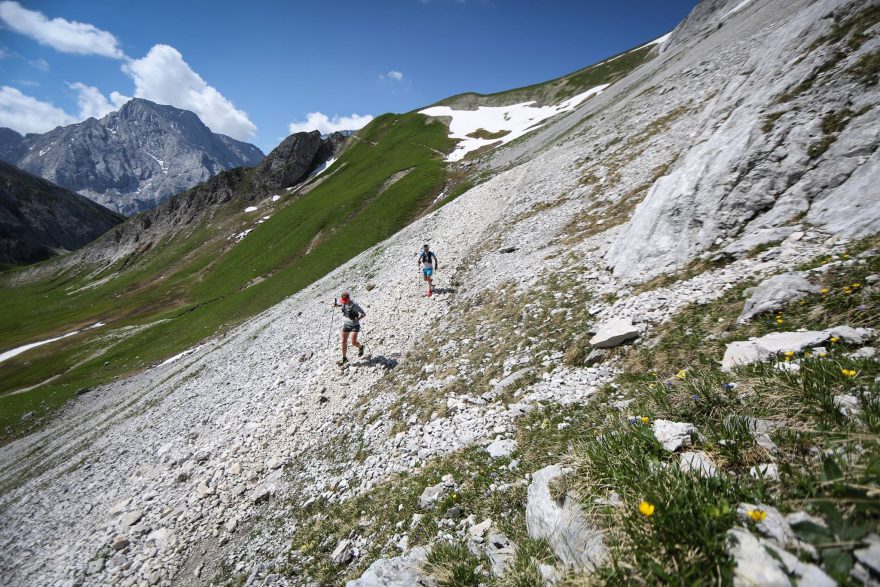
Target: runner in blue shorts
<point>428,265</point>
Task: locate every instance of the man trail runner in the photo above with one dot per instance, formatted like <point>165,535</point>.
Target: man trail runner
<point>425,258</point>
<point>351,326</point>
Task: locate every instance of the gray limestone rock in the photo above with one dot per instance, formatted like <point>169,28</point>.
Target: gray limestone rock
<point>698,462</point>
<point>753,564</point>
<point>673,435</point>
<point>774,293</point>
<point>501,552</point>
<point>870,556</point>
<point>614,332</point>
<point>342,554</point>
<point>576,542</point>
<point>401,571</point>
<point>431,494</point>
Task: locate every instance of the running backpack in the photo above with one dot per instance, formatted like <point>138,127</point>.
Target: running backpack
<point>349,312</point>
<point>426,257</point>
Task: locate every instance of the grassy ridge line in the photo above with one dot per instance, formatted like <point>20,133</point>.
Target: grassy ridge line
<point>556,90</point>
<point>209,293</point>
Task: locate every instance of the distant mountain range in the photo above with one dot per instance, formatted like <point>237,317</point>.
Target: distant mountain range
<point>38,219</point>
<point>131,159</point>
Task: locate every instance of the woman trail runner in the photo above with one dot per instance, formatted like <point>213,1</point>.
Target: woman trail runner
<point>352,324</point>
<point>428,270</point>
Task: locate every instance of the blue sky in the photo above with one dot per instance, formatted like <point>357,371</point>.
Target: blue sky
<point>255,71</point>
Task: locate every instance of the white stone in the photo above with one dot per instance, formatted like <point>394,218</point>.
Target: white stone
<point>501,448</point>
<point>673,435</point>
<point>870,556</point>
<point>614,332</point>
<point>401,571</point>
<point>431,494</point>
<point>698,462</point>
<point>753,564</point>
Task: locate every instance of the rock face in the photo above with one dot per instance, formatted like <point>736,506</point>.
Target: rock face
<point>774,293</point>
<point>131,159</point>
<point>577,543</point>
<point>295,157</point>
<point>744,177</point>
<point>39,219</point>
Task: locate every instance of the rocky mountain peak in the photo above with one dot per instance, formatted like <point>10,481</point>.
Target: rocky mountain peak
<point>131,159</point>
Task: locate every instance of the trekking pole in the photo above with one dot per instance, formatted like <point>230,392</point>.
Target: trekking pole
<point>332,314</point>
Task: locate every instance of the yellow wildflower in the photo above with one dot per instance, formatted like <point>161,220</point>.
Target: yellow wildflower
<point>856,285</point>
<point>848,372</point>
<point>645,419</point>
<point>681,374</point>
<point>834,339</point>
<point>757,515</point>
<point>824,290</point>
<point>779,320</point>
<point>646,509</point>
<point>823,354</point>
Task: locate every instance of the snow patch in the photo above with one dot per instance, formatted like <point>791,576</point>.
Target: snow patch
<point>18,350</point>
<point>180,355</point>
<point>250,209</point>
<point>517,120</point>
<point>323,167</point>
<point>276,198</point>
<point>736,8</point>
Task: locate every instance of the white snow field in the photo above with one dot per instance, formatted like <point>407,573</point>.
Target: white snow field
<point>18,350</point>
<point>516,119</point>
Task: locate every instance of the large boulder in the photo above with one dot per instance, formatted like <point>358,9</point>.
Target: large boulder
<point>576,542</point>
<point>774,293</point>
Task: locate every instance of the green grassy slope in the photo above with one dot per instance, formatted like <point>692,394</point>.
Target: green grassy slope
<point>197,285</point>
<point>561,88</point>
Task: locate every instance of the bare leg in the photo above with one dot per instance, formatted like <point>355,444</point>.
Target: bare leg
<point>354,340</point>
<point>345,343</point>
<point>430,285</point>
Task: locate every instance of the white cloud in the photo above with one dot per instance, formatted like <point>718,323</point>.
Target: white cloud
<point>163,76</point>
<point>3,53</point>
<point>395,75</point>
<point>40,64</point>
<point>93,103</point>
<point>63,35</point>
<point>27,114</point>
<point>321,122</point>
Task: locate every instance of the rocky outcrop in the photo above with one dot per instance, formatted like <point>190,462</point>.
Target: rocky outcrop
<point>295,157</point>
<point>789,133</point>
<point>39,219</point>
<point>131,159</point>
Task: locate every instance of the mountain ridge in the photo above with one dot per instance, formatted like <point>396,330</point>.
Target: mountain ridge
<point>39,219</point>
<point>130,159</point>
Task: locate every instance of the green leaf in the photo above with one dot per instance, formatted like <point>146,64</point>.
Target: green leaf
<point>837,562</point>
<point>832,469</point>
<point>812,532</point>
